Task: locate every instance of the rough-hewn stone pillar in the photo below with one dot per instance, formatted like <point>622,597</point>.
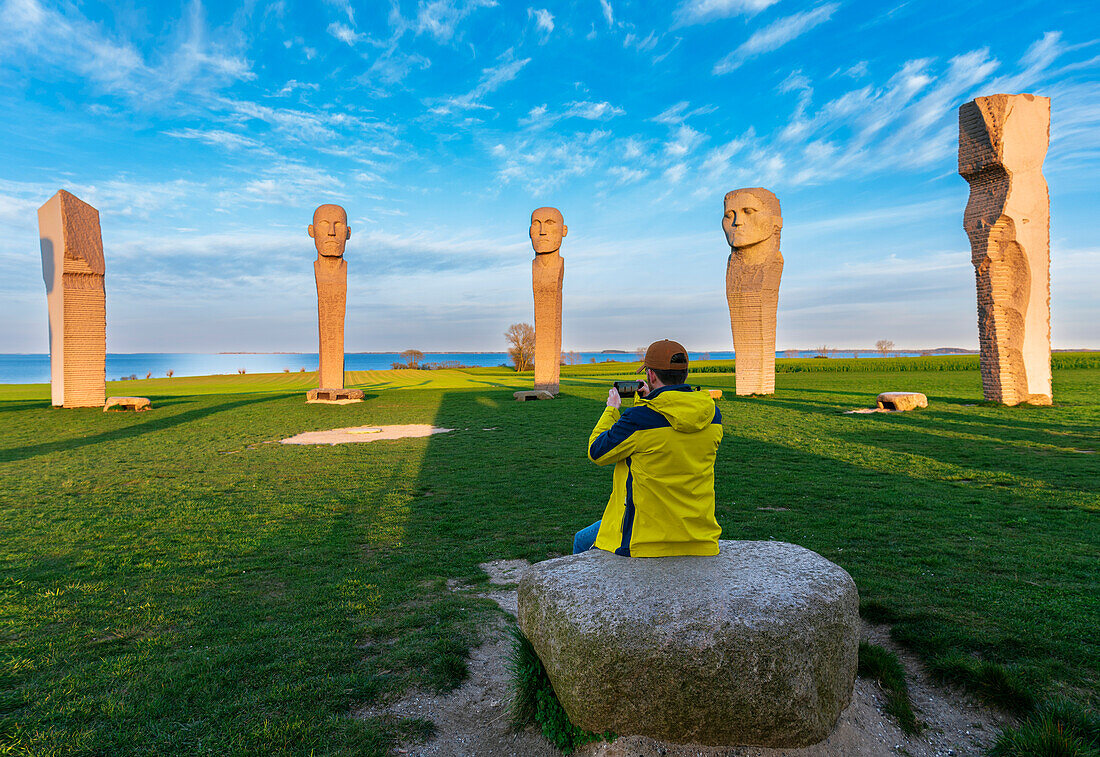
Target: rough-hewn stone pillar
<point>752,223</point>
<point>330,233</point>
<point>547,273</point>
<point>73,269</point>
<point>1003,140</point>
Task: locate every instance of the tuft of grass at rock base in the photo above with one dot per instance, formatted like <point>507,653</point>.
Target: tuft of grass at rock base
<point>882,665</point>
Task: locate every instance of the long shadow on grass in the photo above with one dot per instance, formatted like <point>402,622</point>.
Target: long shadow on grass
<point>150,422</point>
<point>1047,421</point>
<point>819,407</point>
<point>953,443</point>
<point>19,405</point>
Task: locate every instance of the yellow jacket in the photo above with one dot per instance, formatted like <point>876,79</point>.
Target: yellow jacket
<point>662,500</point>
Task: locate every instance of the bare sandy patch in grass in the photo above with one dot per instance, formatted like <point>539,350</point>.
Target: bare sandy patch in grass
<point>473,719</point>
<point>357,434</point>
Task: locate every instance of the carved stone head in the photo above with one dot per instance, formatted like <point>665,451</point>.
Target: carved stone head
<point>752,216</point>
<point>330,230</point>
<point>547,230</point>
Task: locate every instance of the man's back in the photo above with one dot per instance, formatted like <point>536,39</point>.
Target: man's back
<point>662,501</point>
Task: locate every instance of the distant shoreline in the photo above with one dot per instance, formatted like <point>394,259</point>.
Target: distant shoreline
<point>936,351</point>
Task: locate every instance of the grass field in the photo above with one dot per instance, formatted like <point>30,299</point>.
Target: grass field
<point>172,583</point>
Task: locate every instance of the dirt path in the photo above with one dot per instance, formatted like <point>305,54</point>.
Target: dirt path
<point>473,720</point>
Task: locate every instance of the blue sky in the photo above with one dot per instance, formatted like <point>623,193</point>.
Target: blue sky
<point>206,134</point>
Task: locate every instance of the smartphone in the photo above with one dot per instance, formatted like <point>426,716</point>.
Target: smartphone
<point>628,388</point>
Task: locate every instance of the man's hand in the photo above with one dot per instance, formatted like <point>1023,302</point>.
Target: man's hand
<point>613,398</point>
<point>643,390</point>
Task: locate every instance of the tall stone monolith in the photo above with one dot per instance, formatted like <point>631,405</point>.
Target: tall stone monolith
<point>73,269</point>
<point>752,223</point>
<point>1003,140</point>
<point>547,273</point>
<point>330,234</point>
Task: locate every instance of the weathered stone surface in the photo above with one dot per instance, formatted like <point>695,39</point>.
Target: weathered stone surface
<point>330,234</point>
<point>1003,141</point>
<point>73,268</point>
<point>757,645</point>
<point>901,400</point>
<point>128,403</point>
<point>537,394</point>
<point>335,396</point>
<point>547,273</point>
<point>752,223</point>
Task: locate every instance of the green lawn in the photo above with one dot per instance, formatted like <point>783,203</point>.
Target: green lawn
<point>171,583</point>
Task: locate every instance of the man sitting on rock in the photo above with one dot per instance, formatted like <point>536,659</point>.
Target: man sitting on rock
<point>663,448</point>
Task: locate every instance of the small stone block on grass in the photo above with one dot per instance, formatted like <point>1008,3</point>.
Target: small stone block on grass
<point>137,404</point>
<point>334,396</point>
<point>537,394</point>
<point>901,401</point>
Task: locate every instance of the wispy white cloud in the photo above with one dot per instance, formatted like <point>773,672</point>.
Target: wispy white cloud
<point>658,58</point>
<point>544,21</point>
<point>127,198</point>
<point>678,113</point>
<point>293,85</point>
<point>492,79</point>
<point>855,71</point>
<point>309,126</point>
<point>440,18</point>
<point>685,140</point>
<point>345,33</point>
<point>907,123</point>
<point>701,11</point>
<point>345,6</point>
<point>639,43</point>
<point>38,35</point>
<point>1037,59</point>
<point>216,137</point>
<point>541,165</point>
<point>608,12</point>
<point>309,52</point>
<point>392,66</point>
<point>593,111</point>
<point>775,35</point>
<point>288,181</point>
<point>540,116</point>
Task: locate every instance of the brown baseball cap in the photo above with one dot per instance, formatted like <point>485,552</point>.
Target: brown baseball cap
<point>659,356</point>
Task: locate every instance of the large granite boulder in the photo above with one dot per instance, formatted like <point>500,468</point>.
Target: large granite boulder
<point>757,645</point>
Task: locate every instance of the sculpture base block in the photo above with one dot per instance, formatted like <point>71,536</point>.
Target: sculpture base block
<point>137,404</point>
<point>901,401</point>
<point>334,396</point>
<point>537,394</point>
<point>1043,400</point>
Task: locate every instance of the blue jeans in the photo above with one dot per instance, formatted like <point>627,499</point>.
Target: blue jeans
<point>585,538</point>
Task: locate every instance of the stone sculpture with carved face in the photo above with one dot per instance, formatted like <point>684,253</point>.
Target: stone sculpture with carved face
<point>752,217</point>
<point>330,234</point>
<point>752,223</point>
<point>547,229</point>
<point>547,273</point>
<point>330,231</point>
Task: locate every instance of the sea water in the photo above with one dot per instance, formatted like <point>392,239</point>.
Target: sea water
<point>35,369</point>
